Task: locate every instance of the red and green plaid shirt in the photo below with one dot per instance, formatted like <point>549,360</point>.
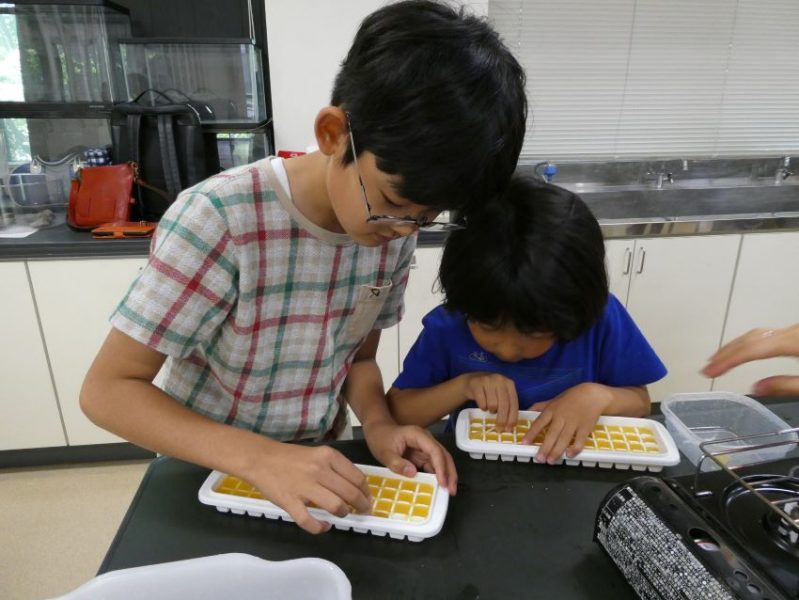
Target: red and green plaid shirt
<point>260,311</point>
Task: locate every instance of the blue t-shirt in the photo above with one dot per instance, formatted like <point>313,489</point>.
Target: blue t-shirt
<point>613,352</point>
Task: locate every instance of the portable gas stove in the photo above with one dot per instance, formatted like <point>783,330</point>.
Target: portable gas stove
<point>726,534</point>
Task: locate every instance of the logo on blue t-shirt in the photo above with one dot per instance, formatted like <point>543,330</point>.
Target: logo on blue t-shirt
<point>479,356</point>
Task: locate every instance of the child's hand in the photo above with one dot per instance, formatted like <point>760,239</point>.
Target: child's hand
<point>294,476</point>
<point>571,417</point>
<point>403,448</point>
<point>494,393</point>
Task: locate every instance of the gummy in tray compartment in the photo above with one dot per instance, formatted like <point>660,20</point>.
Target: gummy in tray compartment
<point>391,498</point>
<point>604,438</point>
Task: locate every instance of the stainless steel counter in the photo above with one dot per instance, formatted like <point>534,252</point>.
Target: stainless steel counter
<point>710,197</point>
<point>695,211</point>
<point>699,225</point>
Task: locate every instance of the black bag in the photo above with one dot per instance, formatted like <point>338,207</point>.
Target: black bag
<point>166,140</point>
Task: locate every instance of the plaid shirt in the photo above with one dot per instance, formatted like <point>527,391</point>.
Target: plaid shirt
<point>259,310</point>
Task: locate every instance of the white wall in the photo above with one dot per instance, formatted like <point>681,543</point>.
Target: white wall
<point>307,40</point>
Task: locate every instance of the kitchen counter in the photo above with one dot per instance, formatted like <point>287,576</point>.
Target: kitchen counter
<point>512,530</point>
<point>62,242</point>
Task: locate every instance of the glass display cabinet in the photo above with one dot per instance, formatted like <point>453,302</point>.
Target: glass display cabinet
<point>61,73</point>
<point>222,78</point>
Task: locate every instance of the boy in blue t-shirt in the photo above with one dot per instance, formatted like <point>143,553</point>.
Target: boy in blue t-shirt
<point>528,323</point>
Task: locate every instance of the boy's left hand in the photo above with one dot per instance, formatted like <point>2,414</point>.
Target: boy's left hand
<point>571,417</point>
<point>404,448</point>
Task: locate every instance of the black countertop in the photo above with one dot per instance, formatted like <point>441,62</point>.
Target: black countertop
<point>62,242</point>
<point>512,530</point>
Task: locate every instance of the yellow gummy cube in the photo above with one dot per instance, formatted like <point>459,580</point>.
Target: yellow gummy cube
<point>405,496</point>
<point>425,488</point>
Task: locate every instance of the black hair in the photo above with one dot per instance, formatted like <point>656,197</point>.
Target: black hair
<point>533,258</point>
<point>439,100</point>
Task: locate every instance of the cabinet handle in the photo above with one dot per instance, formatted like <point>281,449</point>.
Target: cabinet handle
<point>413,264</point>
<point>628,261</point>
<point>642,257</point>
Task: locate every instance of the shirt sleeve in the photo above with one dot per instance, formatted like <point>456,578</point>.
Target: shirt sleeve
<point>394,307</point>
<point>627,359</point>
<point>426,363</point>
<point>188,287</point>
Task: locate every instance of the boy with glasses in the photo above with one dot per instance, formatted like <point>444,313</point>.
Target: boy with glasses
<point>268,284</point>
<point>528,323</point>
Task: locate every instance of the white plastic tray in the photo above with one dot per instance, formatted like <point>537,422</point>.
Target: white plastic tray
<point>239,576</point>
<point>621,442</point>
<point>401,506</point>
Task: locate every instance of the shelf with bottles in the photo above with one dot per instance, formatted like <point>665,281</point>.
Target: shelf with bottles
<point>56,54</point>
<point>222,78</point>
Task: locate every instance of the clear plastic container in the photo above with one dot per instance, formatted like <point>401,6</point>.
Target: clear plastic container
<point>223,79</point>
<point>702,417</point>
<point>235,576</point>
<point>62,52</point>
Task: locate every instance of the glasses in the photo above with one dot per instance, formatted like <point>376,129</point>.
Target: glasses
<point>421,222</point>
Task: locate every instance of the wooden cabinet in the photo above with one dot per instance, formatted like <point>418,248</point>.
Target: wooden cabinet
<point>419,300</point>
<point>677,292</point>
<point>388,358</point>
<point>765,294</point>
<point>29,415</point>
<point>75,299</point>
<point>619,260</point>
<point>421,296</point>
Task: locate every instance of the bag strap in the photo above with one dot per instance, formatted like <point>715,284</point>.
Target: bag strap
<point>141,183</point>
<point>179,92</point>
<point>134,122</point>
<point>152,91</point>
<point>57,163</point>
<point>160,192</point>
<point>169,154</point>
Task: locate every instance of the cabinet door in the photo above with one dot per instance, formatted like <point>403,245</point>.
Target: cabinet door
<point>421,296</point>
<point>29,416</point>
<point>75,299</point>
<point>388,355</point>
<point>678,297</point>
<point>618,262</point>
<point>765,294</point>
<point>419,300</point>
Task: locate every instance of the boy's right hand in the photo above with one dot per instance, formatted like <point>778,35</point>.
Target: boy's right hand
<point>294,476</point>
<point>494,393</point>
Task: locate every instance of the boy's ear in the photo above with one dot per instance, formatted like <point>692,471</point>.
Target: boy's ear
<point>331,129</point>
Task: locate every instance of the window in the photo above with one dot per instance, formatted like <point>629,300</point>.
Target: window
<point>635,78</point>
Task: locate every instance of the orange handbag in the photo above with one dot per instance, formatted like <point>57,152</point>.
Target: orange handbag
<point>101,195</point>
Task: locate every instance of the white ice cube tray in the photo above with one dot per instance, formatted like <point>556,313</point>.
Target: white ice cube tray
<point>401,506</point>
<point>621,442</point>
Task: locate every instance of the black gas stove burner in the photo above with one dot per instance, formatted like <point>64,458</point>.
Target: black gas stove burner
<point>709,537</point>
<point>742,507</point>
